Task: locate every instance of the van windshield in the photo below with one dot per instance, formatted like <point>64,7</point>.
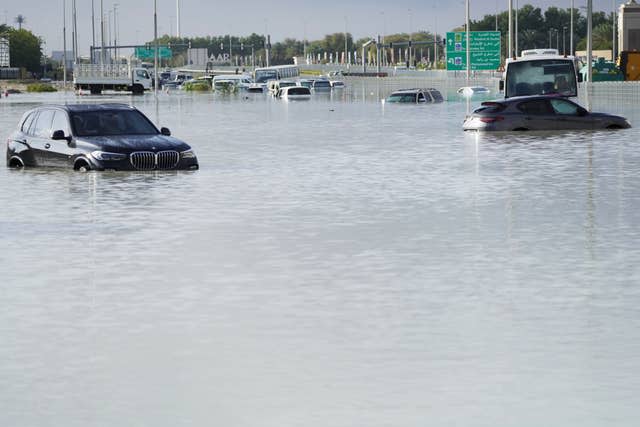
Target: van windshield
<point>105,123</point>
<point>540,77</point>
<point>262,76</point>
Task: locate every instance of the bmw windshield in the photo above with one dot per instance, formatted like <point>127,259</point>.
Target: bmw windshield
<point>114,122</point>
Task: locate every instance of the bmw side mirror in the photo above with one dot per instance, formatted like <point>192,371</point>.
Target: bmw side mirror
<point>165,131</point>
<point>582,112</point>
<point>580,79</point>
<point>57,135</point>
<point>501,85</point>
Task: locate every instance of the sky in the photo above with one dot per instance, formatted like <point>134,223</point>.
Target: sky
<point>282,19</point>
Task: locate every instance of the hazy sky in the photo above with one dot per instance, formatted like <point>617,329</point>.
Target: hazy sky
<point>285,18</point>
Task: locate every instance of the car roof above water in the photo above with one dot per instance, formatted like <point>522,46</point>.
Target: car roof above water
<point>89,107</point>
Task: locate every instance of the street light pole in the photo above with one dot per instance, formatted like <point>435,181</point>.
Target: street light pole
<point>571,31</point>
<point>468,42</point>
<point>115,30</point>
<point>155,53</point>
<point>344,61</point>
<point>409,56</point>
<point>102,56</point>
<point>516,25</point>
<point>613,30</point>
<point>93,30</point>
<point>510,29</point>
<point>564,46</point>
<point>178,18</point>
<point>64,44</point>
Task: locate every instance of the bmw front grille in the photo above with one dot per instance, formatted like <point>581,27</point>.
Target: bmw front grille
<point>147,160</point>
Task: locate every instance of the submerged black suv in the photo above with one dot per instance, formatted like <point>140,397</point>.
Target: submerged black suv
<point>95,137</point>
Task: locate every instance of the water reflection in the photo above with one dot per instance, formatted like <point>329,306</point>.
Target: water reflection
<point>323,244</point>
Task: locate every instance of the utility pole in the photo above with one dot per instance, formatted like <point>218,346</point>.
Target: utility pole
<point>345,41</point>
<point>178,18</point>
<point>571,31</point>
<point>468,42</point>
<point>93,32</point>
<point>510,53</point>
<point>102,56</point>
<point>613,27</point>
<point>589,38</point>
<point>74,34</point>
<point>64,44</point>
<point>115,30</point>
<point>409,56</point>
<point>155,53</point>
<point>516,29</point>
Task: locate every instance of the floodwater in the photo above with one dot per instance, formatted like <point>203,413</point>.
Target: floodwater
<point>336,262</point>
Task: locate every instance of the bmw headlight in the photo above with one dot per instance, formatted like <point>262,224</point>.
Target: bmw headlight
<point>106,156</point>
<point>188,154</point>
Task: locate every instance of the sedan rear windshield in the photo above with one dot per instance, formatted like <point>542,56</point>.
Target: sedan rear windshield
<point>104,123</point>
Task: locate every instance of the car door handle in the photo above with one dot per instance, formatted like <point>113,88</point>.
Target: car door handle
<point>47,145</point>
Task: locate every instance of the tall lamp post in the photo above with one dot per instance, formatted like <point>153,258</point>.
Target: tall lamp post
<point>64,44</point>
<point>155,42</point>
<point>468,38</point>
<point>571,31</point>
<point>564,45</point>
<point>613,30</point>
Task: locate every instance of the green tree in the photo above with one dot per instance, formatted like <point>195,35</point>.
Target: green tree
<point>24,48</point>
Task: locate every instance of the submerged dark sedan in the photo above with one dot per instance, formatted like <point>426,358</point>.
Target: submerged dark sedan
<point>95,137</point>
<point>539,112</point>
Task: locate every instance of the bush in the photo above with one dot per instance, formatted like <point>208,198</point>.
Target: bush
<point>41,87</point>
<point>200,86</point>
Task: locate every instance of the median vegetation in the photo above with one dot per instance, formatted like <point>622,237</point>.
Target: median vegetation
<point>41,87</point>
<point>197,86</point>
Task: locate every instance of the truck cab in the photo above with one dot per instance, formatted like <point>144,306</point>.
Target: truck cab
<point>540,72</point>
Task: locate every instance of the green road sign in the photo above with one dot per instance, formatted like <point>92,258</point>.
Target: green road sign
<point>485,50</point>
<point>148,52</point>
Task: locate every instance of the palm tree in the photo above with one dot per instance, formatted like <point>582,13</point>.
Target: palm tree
<point>20,19</point>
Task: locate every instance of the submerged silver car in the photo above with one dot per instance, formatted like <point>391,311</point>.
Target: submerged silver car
<point>539,112</point>
<point>416,96</point>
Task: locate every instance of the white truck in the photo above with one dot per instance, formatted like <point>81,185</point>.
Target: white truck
<point>120,77</point>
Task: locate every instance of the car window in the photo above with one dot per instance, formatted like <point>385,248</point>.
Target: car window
<point>27,122</point>
<point>536,107</point>
<point>60,122</point>
<point>42,124</point>
<point>437,96</point>
<point>421,97</point>
<point>564,107</point>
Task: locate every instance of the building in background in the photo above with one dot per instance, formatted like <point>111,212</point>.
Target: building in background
<point>5,60</point>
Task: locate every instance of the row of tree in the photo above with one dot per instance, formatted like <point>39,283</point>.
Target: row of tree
<point>536,29</point>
